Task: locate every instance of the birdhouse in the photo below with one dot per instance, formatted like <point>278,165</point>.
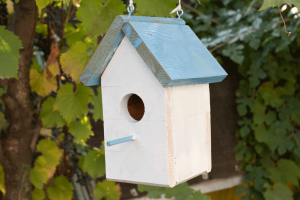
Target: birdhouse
<point>155,75</point>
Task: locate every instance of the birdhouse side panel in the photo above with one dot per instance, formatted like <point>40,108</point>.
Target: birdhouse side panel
<point>145,160</point>
<point>191,127</point>
<point>171,137</point>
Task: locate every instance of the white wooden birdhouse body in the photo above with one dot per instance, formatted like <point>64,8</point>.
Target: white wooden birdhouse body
<point>156,98</point>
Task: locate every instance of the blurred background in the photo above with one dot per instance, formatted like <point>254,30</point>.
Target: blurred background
<point>51,139</point>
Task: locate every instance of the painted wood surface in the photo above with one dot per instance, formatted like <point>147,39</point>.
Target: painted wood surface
<point>191,130</point>
<point>174,54</point>
<point>106,49</point>
<point>173,137</point>
<point>144,161</point>
<point>171,50</point>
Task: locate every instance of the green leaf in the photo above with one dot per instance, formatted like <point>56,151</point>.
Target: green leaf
<point>51,154</point>
<point>42,4</point>
<point>97,103</point>
<point>242,109</point>
<point>63,189</point>
<point>157,8</point>
<point>44,83</point>
<point>297,151</point>
<point>180,192</point>
<point>3,123</point>
<point>107,189</point>
<point>38,194</point>
<point>81,129</point>
<point>41,28</point>
<point>10,45</point>
<point>270,95</point>
<point>235,53</point>
<point>74,35</point>
<point>153,192</point>
<point>279,192</point>
<point>2,183</point>
<point>254,43</point>
<point>258,111</point>
<point>49,116</point>
<point>240,190</point>
<point>270,117</point>
<point>75,60</point>
<point>35,65</point>
<point>245,130</point>
<point>262,134</point>
<point>276,3</point>
<point>3,90</point>
<point>285,144</point>
<point>198,196</point>
<point>96,17</point>
<point>70,104</point>
<point>38,177</point>
<point>286,171</point>
<point>94,163</point>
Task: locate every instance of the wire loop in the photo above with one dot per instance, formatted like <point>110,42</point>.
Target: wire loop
<point>179,15</point>
<point>130,9</point>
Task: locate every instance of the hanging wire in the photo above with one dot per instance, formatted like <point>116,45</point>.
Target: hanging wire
<point>178,9</point>
<point>130,8</point>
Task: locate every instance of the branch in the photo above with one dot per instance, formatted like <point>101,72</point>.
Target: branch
<point>220,45</point>
<point>238,36</point>
<point>288,20</point>
<point>70,11</point>
<point>22,185</point>
<point>283,22</point>
<point>35,135</point>
<point>198,12</point>
<point>9,102</point>
<point>62,26</point>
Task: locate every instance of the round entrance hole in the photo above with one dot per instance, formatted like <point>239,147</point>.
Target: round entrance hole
<point>136,107</point>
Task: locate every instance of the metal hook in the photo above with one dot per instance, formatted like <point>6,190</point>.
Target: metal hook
<point>130,9</point>
<point>179,15</point>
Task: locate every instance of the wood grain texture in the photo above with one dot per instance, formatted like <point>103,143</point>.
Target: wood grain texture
<point>106,49</point>
<point>191,128</point>
<point>171,139</point>
<point>174,54</point>
<point>208,127</point>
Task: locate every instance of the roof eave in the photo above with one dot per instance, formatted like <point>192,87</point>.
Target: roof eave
<point>110,42</point>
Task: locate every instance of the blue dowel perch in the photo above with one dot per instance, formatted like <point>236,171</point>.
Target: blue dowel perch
<point>121,140</point>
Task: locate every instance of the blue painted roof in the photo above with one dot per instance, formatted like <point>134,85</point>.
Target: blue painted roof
<point>170,49</point>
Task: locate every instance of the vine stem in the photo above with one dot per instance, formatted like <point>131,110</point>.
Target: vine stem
<point>296,139</point>
<point>62,26</point>
<point>23,179</point>
<point>198,12</point>
<point>289,33</point>
<point>220,45</point>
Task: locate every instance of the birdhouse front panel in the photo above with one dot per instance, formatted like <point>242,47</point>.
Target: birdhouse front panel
<point>155,76</point>
<point>146,160</point>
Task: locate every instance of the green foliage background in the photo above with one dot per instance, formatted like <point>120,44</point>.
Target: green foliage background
<point>268,97</point>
